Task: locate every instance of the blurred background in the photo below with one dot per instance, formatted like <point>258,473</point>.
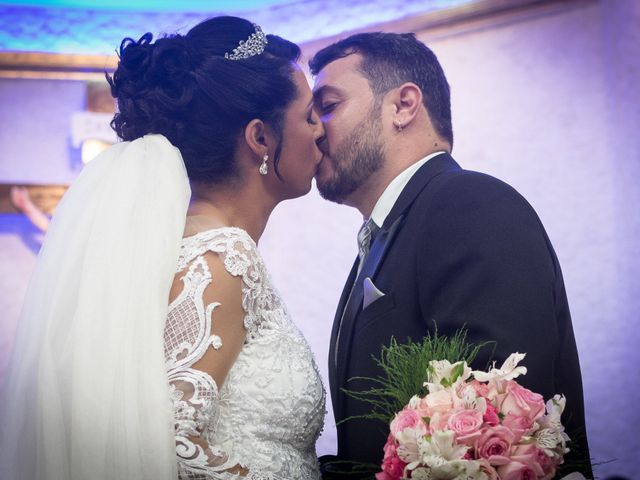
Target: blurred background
<point>545,96</point>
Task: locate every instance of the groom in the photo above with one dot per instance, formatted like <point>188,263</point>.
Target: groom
<point>439,243</point>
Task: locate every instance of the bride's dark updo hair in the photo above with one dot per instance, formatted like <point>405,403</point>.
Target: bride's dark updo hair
<point>183,88</point>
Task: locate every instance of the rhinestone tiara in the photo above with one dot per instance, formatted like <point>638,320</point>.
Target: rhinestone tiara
<point>254,45</point>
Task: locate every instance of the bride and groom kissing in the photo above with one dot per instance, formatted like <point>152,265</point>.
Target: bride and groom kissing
<point>218,127</point>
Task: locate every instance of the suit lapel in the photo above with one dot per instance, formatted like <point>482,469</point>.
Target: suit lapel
<point>419,182</point>
<point>334,333</point>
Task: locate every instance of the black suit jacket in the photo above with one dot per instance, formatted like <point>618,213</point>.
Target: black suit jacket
<point>460,248</point>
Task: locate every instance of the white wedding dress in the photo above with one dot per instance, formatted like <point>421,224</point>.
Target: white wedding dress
<point>269,412</point>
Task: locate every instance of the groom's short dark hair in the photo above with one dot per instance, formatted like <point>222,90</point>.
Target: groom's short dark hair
<point>391,59</point>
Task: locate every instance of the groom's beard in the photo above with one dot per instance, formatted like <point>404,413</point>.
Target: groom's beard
<point>359,155</point>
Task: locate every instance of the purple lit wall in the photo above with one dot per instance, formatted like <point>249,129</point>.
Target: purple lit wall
<point>547,101</point>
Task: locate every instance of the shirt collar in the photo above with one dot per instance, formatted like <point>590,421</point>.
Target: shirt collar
<point>388,198</point>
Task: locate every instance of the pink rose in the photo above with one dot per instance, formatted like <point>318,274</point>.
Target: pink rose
<point>407,418</point>
<point>439,401</point>
<point>519,425</point>
<point>384,476</point>
<point>490,416</point>
<point>392,469</point>
<point>439,421</point>
<point>421,406</point>
<point>390,447</point>
<point>494,444</point>
<point>547,464</point>
<point>520,401</point>
<point>392,465</point>
<point>465,424</point>
<point>516,471</point>
<point>536,458</point>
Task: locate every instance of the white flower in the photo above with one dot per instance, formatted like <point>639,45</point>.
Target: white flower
<point>442,374</point>
<point>552,442</point>
<point>508,371</point>
<point>471,401</point>
<point>441,447</point>
<point>440,458</point>
<point>555,407</point>
<point>421,473</point>
<point>450,470</point>
<point>408,449</point>
<point>415,402</point>
<point>551,437</point>
<point>459,470</point>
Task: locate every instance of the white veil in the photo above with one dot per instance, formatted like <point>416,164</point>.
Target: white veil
<point>86,394</point>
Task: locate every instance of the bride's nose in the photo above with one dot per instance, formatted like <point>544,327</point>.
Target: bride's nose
<point>318,133</point>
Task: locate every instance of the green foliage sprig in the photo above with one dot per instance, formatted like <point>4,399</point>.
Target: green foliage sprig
<point>404,367</point>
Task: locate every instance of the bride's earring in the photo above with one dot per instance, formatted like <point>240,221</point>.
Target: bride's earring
<point>264,169</point>
<point>398,125</point>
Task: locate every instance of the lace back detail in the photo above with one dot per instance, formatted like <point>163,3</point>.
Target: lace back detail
<point>186,341</point>
<point>268,414</point>
<point>241,258</point>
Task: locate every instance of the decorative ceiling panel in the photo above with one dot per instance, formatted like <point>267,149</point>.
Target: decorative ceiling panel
<point>53,27</point>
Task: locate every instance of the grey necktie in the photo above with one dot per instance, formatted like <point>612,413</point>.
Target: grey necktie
<point>365,234</point>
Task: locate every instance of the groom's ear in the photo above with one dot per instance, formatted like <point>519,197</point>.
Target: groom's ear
<point>407,99</point>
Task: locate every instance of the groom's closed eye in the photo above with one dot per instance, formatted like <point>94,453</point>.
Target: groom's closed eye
<point>327,107</point>
<point>326,99</point>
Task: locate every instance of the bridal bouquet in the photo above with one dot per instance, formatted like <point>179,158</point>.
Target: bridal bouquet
<point>475,425</point>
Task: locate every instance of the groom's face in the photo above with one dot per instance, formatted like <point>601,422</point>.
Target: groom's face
<point>353,147</point>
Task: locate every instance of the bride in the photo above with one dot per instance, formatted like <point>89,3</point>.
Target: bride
<point>152,343</point>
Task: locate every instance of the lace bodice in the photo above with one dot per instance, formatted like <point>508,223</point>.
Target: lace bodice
<point>269,412</point>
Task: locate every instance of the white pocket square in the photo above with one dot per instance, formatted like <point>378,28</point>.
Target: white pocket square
<point>371,292</point>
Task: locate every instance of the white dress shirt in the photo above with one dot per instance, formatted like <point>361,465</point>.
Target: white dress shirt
<point>388,198</point>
